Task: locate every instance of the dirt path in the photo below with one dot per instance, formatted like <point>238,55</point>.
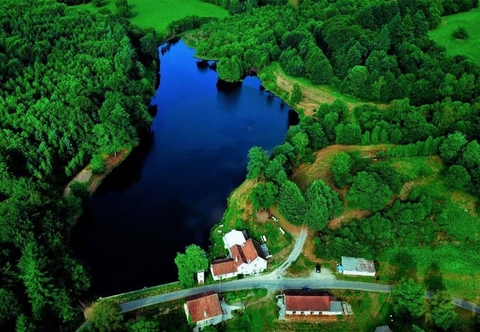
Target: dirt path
<point>94,180</point>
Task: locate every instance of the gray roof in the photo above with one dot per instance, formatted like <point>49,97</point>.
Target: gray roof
<point>383,328</point>
<point>357,264</point>
<point>336,306</point>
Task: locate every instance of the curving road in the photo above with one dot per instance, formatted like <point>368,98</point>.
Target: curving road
<point>271,284</point>
<point>275,281</point>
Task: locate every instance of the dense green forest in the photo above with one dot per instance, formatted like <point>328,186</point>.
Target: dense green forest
<point>74,86</point>
<point>376,50</point>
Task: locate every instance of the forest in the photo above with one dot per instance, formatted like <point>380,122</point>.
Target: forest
<point>75,86</point>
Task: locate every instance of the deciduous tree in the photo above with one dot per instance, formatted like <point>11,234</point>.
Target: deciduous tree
<point>408,299</point>
<point>188,264</point>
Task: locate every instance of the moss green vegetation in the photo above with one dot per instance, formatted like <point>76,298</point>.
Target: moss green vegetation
<point>468,46</point>
<point>74,85</point>
<point>158,14</point>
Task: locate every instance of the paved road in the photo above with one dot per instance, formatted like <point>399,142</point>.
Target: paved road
<point>271,284</point>
<point>275,281</point>
<point>297,250</point>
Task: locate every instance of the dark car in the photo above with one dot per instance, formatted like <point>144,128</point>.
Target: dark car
<point>318,268</point>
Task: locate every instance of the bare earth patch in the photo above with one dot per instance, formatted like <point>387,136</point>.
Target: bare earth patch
<point>94,180</point>
<point>347,216</point>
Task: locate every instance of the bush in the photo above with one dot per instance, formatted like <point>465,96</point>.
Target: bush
<point>98,164</point>
<point>104,11</point>
<point>460,33</point>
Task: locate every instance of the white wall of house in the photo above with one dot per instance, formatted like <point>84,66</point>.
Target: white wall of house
<point>223,276</point>
<point>210,321</point>
<point>256,266</point>
<point>317,313</point>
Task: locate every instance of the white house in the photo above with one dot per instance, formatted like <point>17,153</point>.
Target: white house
<point>311,304</point>
<point>246,257</point>
<point>203,310</point>
<point>357,267</point>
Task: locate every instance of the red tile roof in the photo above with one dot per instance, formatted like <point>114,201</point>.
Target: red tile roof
<point>238,255</point>
<point>250,251</point>
<point>307,302</point>
<point>204,307</point>
<point>224,266</point>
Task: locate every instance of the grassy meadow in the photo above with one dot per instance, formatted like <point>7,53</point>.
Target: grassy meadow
<point>470,46</point>
<point>159,13</point>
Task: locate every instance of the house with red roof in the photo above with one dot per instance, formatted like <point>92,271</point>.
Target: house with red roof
<point>310,303</point>
<point>246,257</point>
<point>203,309</point>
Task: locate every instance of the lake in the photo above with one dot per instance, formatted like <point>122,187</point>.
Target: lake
<point>174,187</point>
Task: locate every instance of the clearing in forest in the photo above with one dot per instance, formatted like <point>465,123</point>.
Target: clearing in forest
<point>314,95</point>
<point>469,46</point>
<point>158,14</point>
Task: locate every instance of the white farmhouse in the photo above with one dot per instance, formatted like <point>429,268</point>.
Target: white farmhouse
<point>246,257</point>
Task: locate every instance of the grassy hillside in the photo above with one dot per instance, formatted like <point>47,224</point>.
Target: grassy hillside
<point>159,13</point>
<point>470,46</point>
<point>444,260</point>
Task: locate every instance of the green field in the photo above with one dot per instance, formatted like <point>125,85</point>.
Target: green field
<point>159,13</point>
<point>470,46</point>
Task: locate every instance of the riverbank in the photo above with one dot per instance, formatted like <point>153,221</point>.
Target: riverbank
<point>86,175</point>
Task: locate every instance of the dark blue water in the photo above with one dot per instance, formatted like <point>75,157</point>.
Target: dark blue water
<point>174,187</point>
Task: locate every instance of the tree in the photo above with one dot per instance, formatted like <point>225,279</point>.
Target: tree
<point>341,168</point>
<point>9,307</point>
<point>230,69</point>
<point>460,33</point>
<point>451,147</point>
<point>144,325</point>
<point>99,164</point>
<point>471,155</point>
<point>291,203</point>
<point>349,134</point>
<point>442,310</point>
<point>368,192</point>
<point>123,9</point>
<point>107,316</point>
<point>322,204</point>
<point>263,195</point>
<point>275,170</point>
<point>408,299</point>
<point>457,177</point>
<point>296,94</point>
<point>188,264</point>
<point>33,267</point>
<point>257,164</point>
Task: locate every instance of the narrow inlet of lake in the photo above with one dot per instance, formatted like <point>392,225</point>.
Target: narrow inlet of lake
<point>174,187</point>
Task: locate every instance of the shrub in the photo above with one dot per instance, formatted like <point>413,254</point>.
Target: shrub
<point>98,164</point>
<point>460,33</point>
<point>104,11</point>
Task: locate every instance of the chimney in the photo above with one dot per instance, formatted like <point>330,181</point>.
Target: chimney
<point>236,258</point>
<point>205,313</point>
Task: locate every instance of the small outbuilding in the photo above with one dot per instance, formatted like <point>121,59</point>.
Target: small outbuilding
<point>357,267</point>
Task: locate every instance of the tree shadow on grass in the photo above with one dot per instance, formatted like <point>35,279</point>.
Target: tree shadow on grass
<point>434,278</point>
<point>404,266</point>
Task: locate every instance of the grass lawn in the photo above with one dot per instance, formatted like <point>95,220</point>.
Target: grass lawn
<point>159,13</point>
<point>470,46</point>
